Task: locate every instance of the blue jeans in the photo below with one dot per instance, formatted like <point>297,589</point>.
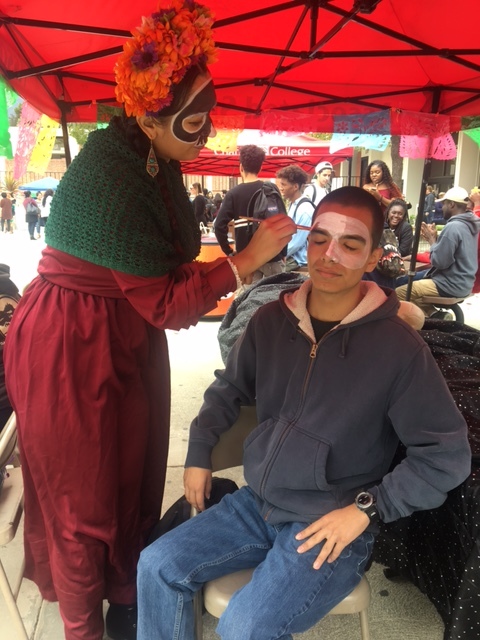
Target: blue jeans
<point>31,228</point>
<point>286,594</point>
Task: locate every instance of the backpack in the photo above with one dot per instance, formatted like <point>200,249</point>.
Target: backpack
<point>391,263</point>
<point>33,208</point>
<point>311,190</point>
<point>301,201</point>
<point>265,203</point>
<point>179,512</point>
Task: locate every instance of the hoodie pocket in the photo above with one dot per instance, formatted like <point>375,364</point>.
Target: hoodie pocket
<point>280,455</point>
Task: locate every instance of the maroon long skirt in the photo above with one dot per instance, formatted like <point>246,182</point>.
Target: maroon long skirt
<point>89,380</point>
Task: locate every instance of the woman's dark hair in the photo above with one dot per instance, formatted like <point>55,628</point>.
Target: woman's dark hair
<point>357,197</point>
<point>398,202</point>
<point>386,175</point>
<point>198,187</point>
<point>48,192</point>
<point>27,194</point>
<point>128,124</point>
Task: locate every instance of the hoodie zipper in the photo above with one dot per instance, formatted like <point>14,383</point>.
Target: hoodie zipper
<point>312,356</point>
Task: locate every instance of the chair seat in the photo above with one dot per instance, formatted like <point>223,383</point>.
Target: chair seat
<point>440,300</point>
<point>217,594</point>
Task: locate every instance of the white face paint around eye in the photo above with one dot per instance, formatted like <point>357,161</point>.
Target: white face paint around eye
<point>349,239</point>
<point>192,124</point>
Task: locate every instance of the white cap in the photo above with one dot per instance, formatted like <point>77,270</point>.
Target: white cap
<point>456,194</point>
<point>323,165</point>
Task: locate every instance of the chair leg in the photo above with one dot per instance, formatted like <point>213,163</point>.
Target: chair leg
<point>364,625</point>
<point>457,310</point>
<point>12,604</point>
<point>198,615</point>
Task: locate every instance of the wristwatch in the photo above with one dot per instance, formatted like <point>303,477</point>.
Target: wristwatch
<point>366,502</point>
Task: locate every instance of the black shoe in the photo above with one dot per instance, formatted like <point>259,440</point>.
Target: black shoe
<point>121,622</point>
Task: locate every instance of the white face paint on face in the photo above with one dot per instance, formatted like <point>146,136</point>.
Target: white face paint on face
<point>347,240</point>
<point>192,124</point>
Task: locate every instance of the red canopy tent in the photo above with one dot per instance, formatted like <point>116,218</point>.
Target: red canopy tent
<point>282,65</point>
<point>301,149</point>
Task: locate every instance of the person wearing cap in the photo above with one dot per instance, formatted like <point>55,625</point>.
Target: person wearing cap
<point>319,187</point>
<point>475,200</point>
<point>86,355</point>
<point>453,254</point>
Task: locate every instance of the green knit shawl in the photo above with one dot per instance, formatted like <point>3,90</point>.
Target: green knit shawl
<point>109,211</point>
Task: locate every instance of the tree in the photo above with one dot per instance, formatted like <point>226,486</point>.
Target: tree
<point>80,131</point>
<point>9,183</point>
<point>14,115</point>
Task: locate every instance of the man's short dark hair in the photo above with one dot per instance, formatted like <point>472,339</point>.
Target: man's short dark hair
<point>356,197</point>
<point>4,195</point>
<point>293,174</point>
<point>251,158</point>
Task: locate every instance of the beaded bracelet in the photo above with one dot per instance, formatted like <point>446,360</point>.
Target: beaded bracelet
<point>235,273</point>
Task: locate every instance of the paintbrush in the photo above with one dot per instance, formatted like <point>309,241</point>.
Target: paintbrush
<point>301,227</point>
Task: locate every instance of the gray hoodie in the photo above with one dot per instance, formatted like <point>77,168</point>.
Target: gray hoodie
<point>454,256</point>
<point>331,413</point>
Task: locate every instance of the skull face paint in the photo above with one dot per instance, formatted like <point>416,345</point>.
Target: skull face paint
<point>348,239</point>
<point>192,125</point>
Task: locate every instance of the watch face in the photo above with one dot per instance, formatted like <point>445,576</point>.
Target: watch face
<point>364,499</point>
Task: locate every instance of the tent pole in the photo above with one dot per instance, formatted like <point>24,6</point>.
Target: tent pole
<point>66,143</point>
<point>427,168</point>
<point>418,224</point>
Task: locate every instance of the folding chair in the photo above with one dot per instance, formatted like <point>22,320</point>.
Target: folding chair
<point>217,593</point>
<point>11,508</point>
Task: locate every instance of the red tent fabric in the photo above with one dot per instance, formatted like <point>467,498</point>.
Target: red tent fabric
<point>302,150</point>
<point>282,66</point>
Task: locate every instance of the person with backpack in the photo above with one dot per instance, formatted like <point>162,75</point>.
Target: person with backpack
<point>252,198</point>
<point>321,185</point>
<point>32,211</point>
<point>291,181</point>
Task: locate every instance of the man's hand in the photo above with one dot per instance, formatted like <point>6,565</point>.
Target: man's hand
<point>272,235</point>
<point>475,196</point>
<point>429,232</point>
<point>198,485</point>
<point>337,529</point>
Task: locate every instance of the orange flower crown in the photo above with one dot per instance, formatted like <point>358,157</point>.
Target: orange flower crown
<point>167,43</point>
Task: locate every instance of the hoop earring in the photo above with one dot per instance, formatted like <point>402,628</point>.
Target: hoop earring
<point>152,164</point>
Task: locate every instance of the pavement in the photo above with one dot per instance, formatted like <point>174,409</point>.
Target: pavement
<point>398,610</point>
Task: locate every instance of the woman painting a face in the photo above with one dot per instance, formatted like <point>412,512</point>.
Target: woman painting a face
<point>93,407</point>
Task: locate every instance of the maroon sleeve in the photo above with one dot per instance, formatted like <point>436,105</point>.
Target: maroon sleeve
<point>178,299</point>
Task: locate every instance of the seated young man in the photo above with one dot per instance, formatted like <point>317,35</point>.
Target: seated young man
<point>335,374</point>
